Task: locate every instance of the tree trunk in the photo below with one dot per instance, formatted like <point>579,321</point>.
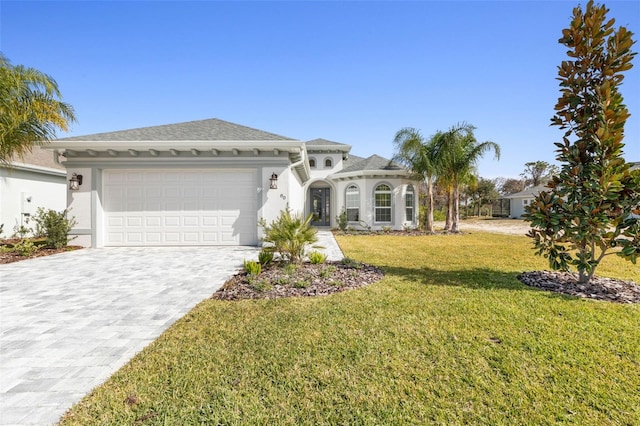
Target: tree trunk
<point>447,224</point>
<point>456,208</point>
<point>430,206</point>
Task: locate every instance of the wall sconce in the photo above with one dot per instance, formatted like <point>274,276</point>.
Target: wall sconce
<point>75,182</point>
<point>274,181</point>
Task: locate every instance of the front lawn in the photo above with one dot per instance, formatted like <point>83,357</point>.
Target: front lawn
<point>449,336</point>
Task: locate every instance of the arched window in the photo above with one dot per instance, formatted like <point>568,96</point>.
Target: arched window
<point>409,201</point>
<point>328,163</point>
<point>352,203</point>
<point>312,163</point>
<point>382,197</point>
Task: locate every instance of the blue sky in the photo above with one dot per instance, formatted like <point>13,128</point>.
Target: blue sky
<point>352,72</point>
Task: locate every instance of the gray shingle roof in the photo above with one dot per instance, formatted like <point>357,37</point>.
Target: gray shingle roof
<point>201,130</point>
<point>375,162</point>
<point>529,192</point>
<point>322,142</point>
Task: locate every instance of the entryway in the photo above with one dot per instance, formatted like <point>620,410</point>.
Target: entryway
<point>320,199</point>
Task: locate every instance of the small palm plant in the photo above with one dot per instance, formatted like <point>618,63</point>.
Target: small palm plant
<point>290,235</point>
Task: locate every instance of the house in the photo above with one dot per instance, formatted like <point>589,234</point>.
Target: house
<point>519,200</point>
<point>33,181</point>
<point>208,182</point>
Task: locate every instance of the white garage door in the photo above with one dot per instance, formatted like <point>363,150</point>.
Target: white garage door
<point>179,207</point>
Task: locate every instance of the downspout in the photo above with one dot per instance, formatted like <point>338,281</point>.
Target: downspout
<point>300,162</point>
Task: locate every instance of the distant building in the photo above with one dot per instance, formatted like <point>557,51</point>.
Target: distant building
<point>519,200</point>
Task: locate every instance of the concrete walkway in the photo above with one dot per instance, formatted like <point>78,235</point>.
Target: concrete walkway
<point>69,321</point>
<point>331,247</point>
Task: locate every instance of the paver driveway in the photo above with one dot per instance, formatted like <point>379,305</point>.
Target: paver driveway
<point>68,321</point>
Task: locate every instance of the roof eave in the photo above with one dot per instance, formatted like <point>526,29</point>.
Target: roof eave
<point>329,148</point>
<point>371,173</point>
<point>37,169</point>
<point>283,145</point>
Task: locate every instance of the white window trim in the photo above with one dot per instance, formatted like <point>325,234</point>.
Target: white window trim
<point>375,188</point>
<point>359,203</point>
<point>413,203</point>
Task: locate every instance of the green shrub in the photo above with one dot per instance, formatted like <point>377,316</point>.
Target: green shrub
<point>252,267</point>
<point>290,235</point>
<point>439,215</point>
<point>260,285</point>
<point>342,220</point>
<point>265,257</point>
<point>327,271</point>
<point>387,229</point>
<point>316,257</point>
<point>301,284</point>
<point>347,261</point>
<point>25,247</point>
<point>54,226</point>
<point>283,280</point>
<point>20,231</point>
<point>290,268</point>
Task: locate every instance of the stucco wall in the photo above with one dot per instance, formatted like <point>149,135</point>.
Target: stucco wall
<point>23,191</point>
<point>79,203</point>
<point>320,171</point>
<point>367,187</point>
<point>516,206</point>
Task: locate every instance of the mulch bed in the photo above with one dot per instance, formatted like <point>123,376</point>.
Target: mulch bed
<point>10,257</point>
<point>599,288</point>
<point>307,280</point>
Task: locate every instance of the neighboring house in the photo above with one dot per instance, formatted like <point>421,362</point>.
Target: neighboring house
<point>208,182</point>
<point>33,181</point>
<point>520,200</point>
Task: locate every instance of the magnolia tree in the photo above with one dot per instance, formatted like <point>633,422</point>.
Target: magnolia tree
<point>588,211</point>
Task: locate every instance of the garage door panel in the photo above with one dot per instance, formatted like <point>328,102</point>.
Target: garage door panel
<point>177,207</point>
<point>153,237</point>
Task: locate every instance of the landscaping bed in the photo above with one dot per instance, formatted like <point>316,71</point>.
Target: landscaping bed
<point>299,280</point>
<point>8,253</point>
<point>599,288</point>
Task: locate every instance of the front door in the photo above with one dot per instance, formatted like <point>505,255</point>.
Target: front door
<point>321,206</point>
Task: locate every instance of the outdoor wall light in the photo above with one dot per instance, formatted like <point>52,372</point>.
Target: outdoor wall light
<point>274,181</point>
<point>75,182</point>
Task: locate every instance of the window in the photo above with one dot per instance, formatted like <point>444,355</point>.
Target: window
<point>328,163</point>
<point>352,203</point>
<point>382,196</point>
<point>525,202</point>
<point>312,163</point>
<point>408,204</point>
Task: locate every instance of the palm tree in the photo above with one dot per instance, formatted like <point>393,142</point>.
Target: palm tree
<point>30,109</point>
<point>420,157</point>
<point>459,151</point>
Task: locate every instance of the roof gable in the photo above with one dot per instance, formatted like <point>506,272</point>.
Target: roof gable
<point>528,193</point>
<point>202,130</point>
<point>372,163</point>
<point>324,145</point>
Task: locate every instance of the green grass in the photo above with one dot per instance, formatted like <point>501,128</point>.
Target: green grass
<point>449,336</point>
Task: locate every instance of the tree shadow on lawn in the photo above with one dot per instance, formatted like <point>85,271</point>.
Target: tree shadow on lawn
<point>473,278</point>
